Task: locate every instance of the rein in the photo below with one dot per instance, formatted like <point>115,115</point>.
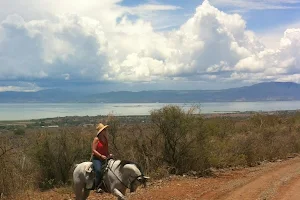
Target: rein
<point>129,187</point>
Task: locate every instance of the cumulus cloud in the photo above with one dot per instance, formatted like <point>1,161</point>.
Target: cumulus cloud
<point>280,64</point>
<point>50,49</point>
<point>110,46</point>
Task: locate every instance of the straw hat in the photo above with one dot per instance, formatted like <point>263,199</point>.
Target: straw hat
<point>100,127</point>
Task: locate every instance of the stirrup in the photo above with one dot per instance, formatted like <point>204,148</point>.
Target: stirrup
<point>99,190</point>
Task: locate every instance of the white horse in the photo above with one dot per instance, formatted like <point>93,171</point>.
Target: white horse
<point>119,176</point>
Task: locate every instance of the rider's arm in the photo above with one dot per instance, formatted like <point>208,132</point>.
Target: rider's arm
<point>94,146</point>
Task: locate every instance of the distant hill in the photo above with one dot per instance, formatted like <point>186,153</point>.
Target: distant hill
<point>267,91</point>
<point>52,95</point>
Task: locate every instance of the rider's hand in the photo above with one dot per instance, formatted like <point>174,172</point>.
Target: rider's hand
<point>111,155</point>
<point>103,157</point>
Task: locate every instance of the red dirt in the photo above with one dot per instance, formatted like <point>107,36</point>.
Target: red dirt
<point>270,181</point>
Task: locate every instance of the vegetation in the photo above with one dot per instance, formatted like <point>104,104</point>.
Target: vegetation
<point>169,141</point>
<point>19,131</point>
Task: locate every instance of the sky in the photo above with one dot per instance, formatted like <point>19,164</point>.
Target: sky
<point>115,45</point>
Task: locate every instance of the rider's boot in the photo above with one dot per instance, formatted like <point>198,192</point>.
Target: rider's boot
<point>99,189</point>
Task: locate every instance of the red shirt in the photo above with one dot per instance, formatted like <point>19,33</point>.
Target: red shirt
<point>102,148</point>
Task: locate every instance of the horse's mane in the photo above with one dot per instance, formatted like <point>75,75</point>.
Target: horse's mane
<point>125,162</point>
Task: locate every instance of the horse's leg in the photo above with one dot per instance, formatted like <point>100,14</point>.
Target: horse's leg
<point>78,191</point>
<point>118,194</point>
<point>86,193</point>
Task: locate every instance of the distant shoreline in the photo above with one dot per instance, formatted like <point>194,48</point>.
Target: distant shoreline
<point>32,111</point>
<point>249,113</point>
<point>205,115</point>
<point>153,102</point>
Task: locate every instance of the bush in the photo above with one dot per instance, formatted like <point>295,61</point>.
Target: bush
<point>16,175</point>
<point>183,139</point>
<point>19,131</point>
<point>56,153</point>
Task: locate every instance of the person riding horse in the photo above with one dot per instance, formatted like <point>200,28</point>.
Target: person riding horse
<point>100,153</point>
<point>118,176</point>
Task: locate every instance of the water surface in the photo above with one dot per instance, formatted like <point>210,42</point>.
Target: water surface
<point>24,111</point>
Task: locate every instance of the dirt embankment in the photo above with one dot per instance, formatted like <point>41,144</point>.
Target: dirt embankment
<point>270,181</point>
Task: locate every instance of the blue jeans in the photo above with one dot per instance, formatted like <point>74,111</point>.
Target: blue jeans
<point>97,167</point>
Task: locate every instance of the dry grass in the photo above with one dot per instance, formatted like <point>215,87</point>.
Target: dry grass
<point>174,142</point>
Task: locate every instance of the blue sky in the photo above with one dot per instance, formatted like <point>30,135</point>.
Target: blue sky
<point>100,46</point>
<point>257,19</point>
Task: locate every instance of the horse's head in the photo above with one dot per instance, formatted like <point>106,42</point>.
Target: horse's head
<point>139,180</point>
<point>135,175</point>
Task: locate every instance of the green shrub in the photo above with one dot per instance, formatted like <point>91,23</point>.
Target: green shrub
<point>56,153</point>
<point>183,139</point>
<point>19,131</point>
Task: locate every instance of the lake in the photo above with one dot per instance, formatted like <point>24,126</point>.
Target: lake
<point>25,111</point>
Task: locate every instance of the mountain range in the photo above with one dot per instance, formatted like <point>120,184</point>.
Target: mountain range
<point>266,91</point>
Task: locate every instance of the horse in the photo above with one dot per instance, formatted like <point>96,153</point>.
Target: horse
<point>119,175</point>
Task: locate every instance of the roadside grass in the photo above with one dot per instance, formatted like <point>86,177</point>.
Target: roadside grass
<point>172,141</point>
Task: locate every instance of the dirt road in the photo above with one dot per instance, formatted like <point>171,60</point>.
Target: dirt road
<point>278,181</point>
<point>270,181</point>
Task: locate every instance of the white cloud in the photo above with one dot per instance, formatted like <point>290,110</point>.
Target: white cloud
<point>291,78</point>
<point>152,7</point>
<point>244,5</point>
<point>20,87</point>
<point>109,46</point>
<point>284,61</point>
<point>271,37</point>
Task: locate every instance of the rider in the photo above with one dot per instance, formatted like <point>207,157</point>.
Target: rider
<point>100,152</point>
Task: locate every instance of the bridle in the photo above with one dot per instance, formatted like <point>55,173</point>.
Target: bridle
<point>136,178</point>
<point>130,186</point>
